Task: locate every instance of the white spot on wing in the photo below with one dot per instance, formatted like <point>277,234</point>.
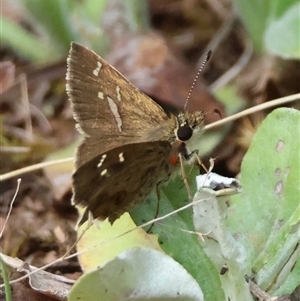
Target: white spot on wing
<point>103,172</point>
<point>114,109</point>
<point>100,95</point>
<point>102,160</point>
<point>118,93</point>
<point>121,157</point>
<point>97,70</point>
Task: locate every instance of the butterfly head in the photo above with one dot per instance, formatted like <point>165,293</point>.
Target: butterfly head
<point>187,132</point>
<point>188,124</point>
<point>184,131</point>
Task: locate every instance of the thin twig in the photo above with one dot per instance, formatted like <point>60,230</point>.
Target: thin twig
<point>260,107</point>
<point>34,167</point>
<point>10,207</point>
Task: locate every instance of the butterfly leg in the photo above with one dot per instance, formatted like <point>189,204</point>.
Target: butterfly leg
<point>194,154</point>
<point>200,162</point>
<point>190,156</point>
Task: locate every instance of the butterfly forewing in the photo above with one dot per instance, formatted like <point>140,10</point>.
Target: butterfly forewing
<point>109,110</point>
<point>113,182</point>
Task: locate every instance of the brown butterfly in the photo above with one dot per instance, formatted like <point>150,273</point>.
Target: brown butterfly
<point>131,144</point>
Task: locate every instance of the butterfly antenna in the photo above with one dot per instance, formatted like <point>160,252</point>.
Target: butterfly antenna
<point>209,53</point>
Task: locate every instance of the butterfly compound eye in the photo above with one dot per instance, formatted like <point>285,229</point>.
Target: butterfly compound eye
<point>184,132</point>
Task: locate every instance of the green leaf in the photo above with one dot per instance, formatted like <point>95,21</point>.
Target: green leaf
<point>25,43</point>
<point>5,279</point>
<point>265,218</point>
<point>175,238</point>
<point>54,17</point>
<point>282,37</point>
<point>137,274</point>
<point>93,10</point>
<point>258,15</point>
<point>255,15</point>
<point>102,242</point>
<point>210,215</point>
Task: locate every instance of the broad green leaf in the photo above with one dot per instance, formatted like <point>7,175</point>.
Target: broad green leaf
<point>177,236</point>
<point>265,218</point>
<point>101,243</point>
<point>258,15</point>
<point>282,37</point>
<point>210,215</point>
<point>137,274</point>
<point>255,15</point>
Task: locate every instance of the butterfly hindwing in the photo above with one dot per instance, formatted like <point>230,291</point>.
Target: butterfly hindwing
<point>107,185</point>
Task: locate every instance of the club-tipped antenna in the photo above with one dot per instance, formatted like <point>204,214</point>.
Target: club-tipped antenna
<point>209,53</point>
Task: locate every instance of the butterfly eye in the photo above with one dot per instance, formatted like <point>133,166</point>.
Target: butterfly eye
<point>184,132</point>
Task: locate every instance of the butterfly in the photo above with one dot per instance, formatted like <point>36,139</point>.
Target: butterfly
<point>131,144</point>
